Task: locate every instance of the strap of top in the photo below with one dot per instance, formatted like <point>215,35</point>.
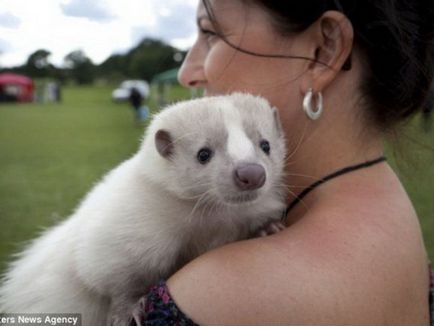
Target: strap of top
<point>335,174</point>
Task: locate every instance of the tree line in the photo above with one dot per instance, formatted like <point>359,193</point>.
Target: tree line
<point>144,61</point>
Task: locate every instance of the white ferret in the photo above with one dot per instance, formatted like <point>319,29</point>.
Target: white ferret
<point>208,172</point>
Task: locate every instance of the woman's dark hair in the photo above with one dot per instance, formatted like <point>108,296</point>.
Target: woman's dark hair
<point>396,38</point>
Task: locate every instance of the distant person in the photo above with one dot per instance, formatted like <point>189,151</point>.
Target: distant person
<point>57,92</point>
<point>52,92</point>
<point>136,100</point>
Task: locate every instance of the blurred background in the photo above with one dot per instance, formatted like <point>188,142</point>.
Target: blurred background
<point>68,116</point>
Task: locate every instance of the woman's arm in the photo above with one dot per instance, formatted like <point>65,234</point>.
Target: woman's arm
<point>306,275</point>
<point>238,284</point>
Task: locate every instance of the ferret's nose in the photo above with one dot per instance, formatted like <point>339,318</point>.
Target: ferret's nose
<point>249,176</point>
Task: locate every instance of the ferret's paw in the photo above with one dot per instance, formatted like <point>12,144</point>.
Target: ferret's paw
<point>270,228</point>
<point>138,314</point>
<point>120,318</point>
<point>117,320</point>
<point>127,312</point>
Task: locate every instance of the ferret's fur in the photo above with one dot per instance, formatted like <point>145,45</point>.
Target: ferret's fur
<point>154,212</point>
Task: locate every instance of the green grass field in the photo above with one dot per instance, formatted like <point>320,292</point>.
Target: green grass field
<point>52,154</point>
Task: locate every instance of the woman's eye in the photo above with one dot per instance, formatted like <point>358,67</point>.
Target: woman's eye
<point>208,34</point>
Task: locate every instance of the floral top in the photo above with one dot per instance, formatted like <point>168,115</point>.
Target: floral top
<point>431,295</point>
<point>159,309</point>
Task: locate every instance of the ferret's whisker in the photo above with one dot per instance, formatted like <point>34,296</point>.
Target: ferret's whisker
<point>208,208</point>
<point>197,185</point>
<point>286,174</point>
<point>290,155</point>
<point>201,199</point>
<point>302,202</point>
<point>204,208</point>
<point>285,187</point>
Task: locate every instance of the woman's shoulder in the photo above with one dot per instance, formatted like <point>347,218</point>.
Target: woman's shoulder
<point>337,264</point>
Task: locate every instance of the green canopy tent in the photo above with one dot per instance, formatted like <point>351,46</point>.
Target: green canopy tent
<point>168,76</point>
<point>163,82</point>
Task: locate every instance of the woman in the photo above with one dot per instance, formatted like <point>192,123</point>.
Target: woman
<point>342,74</point>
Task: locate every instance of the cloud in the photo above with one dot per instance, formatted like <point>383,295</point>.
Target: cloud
<point>109,26</point>
<point>177,23</point>
<point>4,46</point>
<point>91,10</point>
<point>174,21</point>
<point>9,21</point>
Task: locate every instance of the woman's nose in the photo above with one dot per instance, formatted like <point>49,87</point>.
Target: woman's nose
<point>191,73</point>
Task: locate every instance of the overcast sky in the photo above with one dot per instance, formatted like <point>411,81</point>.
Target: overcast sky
<point>98,27</point>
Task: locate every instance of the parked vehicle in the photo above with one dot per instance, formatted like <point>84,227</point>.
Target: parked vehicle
<point>122,93</point>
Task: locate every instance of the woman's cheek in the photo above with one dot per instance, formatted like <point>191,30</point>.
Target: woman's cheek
<point>220,69</point>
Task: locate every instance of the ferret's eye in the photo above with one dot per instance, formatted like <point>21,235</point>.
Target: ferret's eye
<point>265,146</point>
<point>204,155</point>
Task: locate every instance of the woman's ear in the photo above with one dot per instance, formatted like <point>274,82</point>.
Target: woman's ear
<point>333,37</point>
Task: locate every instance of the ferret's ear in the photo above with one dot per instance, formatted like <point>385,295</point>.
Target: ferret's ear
<point>163,143</point>
<point>277,122</point>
